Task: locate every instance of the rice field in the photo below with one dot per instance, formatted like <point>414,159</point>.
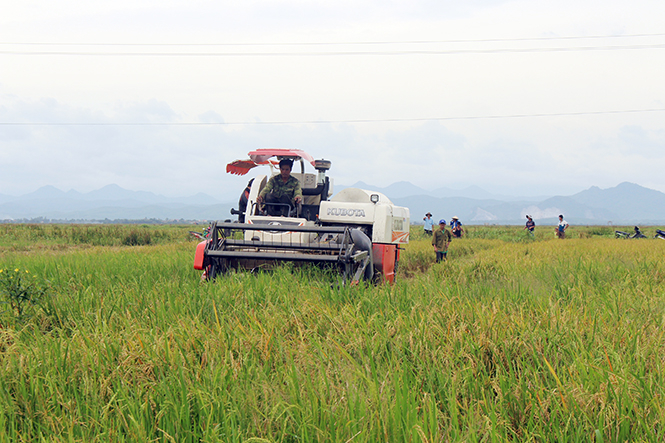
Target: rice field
<point>511,339</point>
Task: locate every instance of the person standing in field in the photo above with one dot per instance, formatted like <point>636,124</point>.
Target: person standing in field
<point>456,227</point>
<point>561,228</point>
<point>440,240</point>
<point>530,225</point>
<point>429,223</point>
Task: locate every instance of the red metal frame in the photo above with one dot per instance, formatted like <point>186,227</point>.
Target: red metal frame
<point>199,257</point>
<point>263,157</point>
<point>385,257</point>
<point>263,154</point>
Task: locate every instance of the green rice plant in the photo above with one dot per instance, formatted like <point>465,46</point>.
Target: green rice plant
<point>30,237</point>
<point>135,237</point>
<point>506,341</point>
<point>21,291</point>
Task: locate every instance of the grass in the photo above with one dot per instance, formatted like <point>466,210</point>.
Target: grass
<point>511,339</point>
<point>27,237</point>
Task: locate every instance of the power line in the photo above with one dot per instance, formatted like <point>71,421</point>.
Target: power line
<point>388,42</point>
<point>339,53</point>
<point>350,121</point>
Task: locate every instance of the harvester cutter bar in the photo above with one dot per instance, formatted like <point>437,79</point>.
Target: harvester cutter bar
<point>286,228</point>
<point>320,250</point>
<point>231,243</point>
<point>336,245</point>
<point>264,255</point>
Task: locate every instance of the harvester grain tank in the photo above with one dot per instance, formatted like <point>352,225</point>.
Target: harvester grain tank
<point>358,231</point>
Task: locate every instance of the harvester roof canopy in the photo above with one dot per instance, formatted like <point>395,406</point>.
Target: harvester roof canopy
<point>264,156</point>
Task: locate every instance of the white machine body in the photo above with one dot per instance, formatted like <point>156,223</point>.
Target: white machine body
<point>353,206</point>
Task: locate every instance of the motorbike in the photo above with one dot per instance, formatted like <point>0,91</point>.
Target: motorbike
<point>636,234</point>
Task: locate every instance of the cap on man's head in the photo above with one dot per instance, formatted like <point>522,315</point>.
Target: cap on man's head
<point>528,216</point>
<point>455,218</point>
<point>442,222</point>
<point>286,162</point>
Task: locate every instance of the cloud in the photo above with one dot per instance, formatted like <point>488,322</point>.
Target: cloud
<point>211,117</point>
<point>534,155</point>
<point>511,155</point>
<point>636,141</point>
<point>181,160</point>
<point>152,110</point>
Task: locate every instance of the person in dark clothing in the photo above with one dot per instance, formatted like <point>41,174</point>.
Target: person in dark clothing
<point>456,227</point>
<point>282,188</point>
<point>440,240</point>
<point>530,225</point>
<point>242,203</point>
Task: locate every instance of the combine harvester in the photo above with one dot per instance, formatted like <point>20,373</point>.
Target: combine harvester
<point>357,231</point>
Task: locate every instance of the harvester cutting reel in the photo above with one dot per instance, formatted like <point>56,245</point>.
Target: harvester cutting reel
<point>264,245</point>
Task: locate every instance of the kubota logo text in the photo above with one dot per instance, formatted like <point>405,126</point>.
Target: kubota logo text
<point>346,212</point>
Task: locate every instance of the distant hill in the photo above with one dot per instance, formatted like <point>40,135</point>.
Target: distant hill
<point>396,190</point>
<point>627,200</point>
<point>445,208</point>
<point>406,189</point>
<point>474,192</point>
<point>5,198</point>
<point>112,202</point>
<point>626,203</point>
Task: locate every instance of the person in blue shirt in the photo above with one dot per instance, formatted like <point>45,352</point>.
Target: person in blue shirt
<point>456,227</point>
<point>561,228</point>
<point>429,223</point>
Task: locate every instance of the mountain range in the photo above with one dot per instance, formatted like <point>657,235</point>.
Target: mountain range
<point>110,202</point>
<point>626,203</point>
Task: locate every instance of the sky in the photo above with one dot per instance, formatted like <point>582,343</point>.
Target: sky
<point>524,97</point>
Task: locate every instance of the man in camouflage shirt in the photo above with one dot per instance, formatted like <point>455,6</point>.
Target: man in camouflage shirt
<point>440,240</point>
<point>282,188</point>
